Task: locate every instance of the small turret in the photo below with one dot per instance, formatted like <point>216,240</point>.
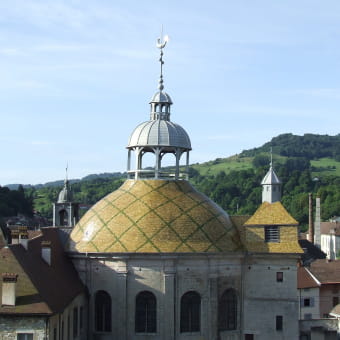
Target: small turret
<point>65,211</point>
<point>271,185</point>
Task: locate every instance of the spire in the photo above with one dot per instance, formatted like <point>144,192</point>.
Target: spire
<point>161,42</point>
<point>271,184</point>
<point>161,101</point>
<point>271,157</point>
<point>65,194</point>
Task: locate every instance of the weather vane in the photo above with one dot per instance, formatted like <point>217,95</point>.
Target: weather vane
<point>161,42</point>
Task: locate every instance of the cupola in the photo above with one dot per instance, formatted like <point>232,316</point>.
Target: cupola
<point>65,194</point>
<point>159,136</point>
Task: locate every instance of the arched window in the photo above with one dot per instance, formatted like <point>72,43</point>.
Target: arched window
<point>102,311</point>
<point>227,310</point>
<point>146,313</point>
<point>190,312</point>
<point>63,217</point>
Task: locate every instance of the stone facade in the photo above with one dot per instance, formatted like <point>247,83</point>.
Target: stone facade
<point>48,327</point>
<point>168,277</point>
<point>11,326</point>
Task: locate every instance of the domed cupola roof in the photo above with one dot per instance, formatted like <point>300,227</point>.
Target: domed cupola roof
<point>155,216</point>
<point>159,132</point>
<point>158,135</point>
<point>161,97</point>
<point>65,194</point>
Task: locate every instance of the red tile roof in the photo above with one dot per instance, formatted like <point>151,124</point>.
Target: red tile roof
<point>327,272</point>
<point>330,228</point>
<point>41,288</point>
<point>305,279</point>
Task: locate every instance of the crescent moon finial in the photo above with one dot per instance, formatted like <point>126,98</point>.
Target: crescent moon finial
<point>161,42</point>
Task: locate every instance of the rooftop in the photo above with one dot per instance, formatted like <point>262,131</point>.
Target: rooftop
<point>40,288</point>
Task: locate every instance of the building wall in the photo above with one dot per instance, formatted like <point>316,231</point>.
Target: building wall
<point>168,277</point>
<point>330,244</point>
<point>63,323</point>
<point>10,326</point>
<point>45,328</point>
<point>329,297</point>
<point>313,310</point>
<point>265,298</point>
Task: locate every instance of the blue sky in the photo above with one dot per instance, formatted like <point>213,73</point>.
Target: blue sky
<point>76,77</point>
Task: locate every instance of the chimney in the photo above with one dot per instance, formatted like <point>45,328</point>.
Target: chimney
<point>317,225</point>
<point>310,219</point>
<point>9,281</point>
<point>23,237</point>
<point>15,236</point>
<point>46,251</point>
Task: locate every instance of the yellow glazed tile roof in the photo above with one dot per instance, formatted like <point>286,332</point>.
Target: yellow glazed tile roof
<point>271,214</point>
<point>155,216</point>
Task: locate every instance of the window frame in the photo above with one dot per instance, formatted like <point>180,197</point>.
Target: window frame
<point>272,234</point>
<point>279,276</point>
<point>103,312</point>
<point>75,322</point>
<point>279,323</point>
<point>25,334</point>
<point>227,310</point>
<point>190,312</point>
<point>145,313</point>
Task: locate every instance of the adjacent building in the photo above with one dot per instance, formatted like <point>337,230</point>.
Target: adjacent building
<point>319,293</point>
<point>41,294</point>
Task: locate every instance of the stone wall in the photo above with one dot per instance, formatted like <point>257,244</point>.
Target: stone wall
<point>265,298</point>
<point>168,277</point>
<point>10,326</point>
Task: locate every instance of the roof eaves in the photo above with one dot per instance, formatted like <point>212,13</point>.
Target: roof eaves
<point>313,277</point>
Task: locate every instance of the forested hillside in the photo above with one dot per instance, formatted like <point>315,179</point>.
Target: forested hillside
<point>13,202</point>
<point>309,163</point>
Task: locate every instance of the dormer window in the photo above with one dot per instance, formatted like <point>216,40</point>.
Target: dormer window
<point>272,233</point>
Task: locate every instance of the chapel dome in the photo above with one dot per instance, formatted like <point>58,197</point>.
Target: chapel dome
<point>159,133</point>
<point>155,216</point>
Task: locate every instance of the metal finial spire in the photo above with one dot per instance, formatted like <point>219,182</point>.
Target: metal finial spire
<point>66,173</point>
<point>271,157</point>
<point>161,42</point>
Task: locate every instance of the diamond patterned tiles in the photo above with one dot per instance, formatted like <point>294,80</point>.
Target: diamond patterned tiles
<point>271,214</point>
<point>155,216</point>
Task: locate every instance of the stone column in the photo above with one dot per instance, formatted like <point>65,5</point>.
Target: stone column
<point>168,327</point>
<point>213,307</point>
<point>121,320</point>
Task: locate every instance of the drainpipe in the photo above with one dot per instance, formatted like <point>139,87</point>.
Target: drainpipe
<point>59,324</point>
<point>46,328</point>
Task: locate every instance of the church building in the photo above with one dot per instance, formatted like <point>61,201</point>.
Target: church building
<point>162,261</point>
<point>159,260</point>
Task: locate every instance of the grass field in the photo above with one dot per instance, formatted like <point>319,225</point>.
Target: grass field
<point>323,166</point>
<point>326,166</point>
<point>223,164</point>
